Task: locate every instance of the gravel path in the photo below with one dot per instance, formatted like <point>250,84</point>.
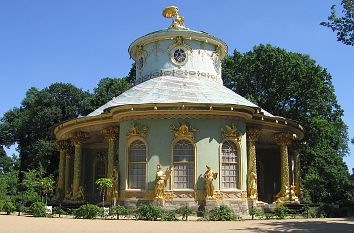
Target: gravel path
<point>26,224</point>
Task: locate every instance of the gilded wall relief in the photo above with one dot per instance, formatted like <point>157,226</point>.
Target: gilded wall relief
<point>137,131</point>
<point>183,131</point>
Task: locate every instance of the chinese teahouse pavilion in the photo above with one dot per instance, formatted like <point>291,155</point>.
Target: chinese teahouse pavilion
<point>179,136</point>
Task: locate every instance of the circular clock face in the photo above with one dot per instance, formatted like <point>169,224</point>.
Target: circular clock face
<point>179,56</point>
<point>140,63</point>
<point>217,64</point>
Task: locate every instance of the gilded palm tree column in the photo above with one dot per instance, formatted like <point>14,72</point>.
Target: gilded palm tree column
<point>111,135</point>
<point>67,190</point>
<point>283,140</point>
<point>298,188</point>
<point>252,136</point>
<point>77,139</point>
<point>63,146</point>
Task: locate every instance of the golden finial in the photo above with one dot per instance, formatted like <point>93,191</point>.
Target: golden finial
<point>177,21</point>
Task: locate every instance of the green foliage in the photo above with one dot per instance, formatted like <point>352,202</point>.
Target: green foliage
<point>308,97</point>
<point>104,183</point>
<point>260,214</point>
<point>30,125</point>
<point>222,213</point>
<point>184,211</point>
<point>46,185</point>
<point>281,211</point>
<point>7,164</point>
<point>131,75</point>
<point>309,212</point>
<point>118,210</point>
<point>37,209</point>
<point>149,212</point>
<point>344,24</point>
<point>8,207</point>
<point>58,210</point>
<point>88,211</point>
<point>333,211</point>
<point>8,185</point>
<point>169,215</point>
<point>31,188</point>
<point>252,211</point>
<point>106,89</point>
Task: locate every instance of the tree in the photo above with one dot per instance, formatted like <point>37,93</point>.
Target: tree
<point>104,184</point>
<point>131,75</point>
<point>31,125</point>
<point>292,85</point>
<point>106,89</point>
<point>344,25</point>
<point>46,185</point>
<point>5,161</point>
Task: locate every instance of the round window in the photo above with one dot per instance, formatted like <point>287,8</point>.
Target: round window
<point>179,56</point>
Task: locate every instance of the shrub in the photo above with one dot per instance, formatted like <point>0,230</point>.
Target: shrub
<point>169,215</point>
<point>58,210</point>
<point>281,211</point>
<point>184,211</point>
<point>332,211</point>
<point>38,209</point>
<point>1,205</point>
<point>118,210</point>
<point>88,211</point>
<point>9,207</point>
<point>149,212</point>
<point>260,214</point>
<point>222,213</point>
<point>253,211</point>
<point>308,212</point>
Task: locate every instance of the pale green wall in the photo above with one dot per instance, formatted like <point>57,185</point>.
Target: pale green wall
<point>160,137</point>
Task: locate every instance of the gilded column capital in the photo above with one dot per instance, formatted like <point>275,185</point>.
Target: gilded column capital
<point>63,145</point>
<point>111,133</point>
<point>253,134</point>
<point>79,137</point>
<point>284,138</point>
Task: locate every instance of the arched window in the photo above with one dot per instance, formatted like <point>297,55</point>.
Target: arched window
<point>137,165</point>
<point>183,163</point>
<point>229,165</point>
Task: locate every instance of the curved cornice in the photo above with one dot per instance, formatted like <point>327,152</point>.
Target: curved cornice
<point>114,116</point>
<point>171,34</point>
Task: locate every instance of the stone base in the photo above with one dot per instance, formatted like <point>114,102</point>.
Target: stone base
<point>210,204</point>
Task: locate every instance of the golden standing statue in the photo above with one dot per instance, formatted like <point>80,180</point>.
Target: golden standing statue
<point>253,185</point>
<point>161,182</point>
<point>209,177</point>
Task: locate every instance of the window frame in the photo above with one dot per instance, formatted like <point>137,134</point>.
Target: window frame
<point>129,143</point>
<point>239,167</point>
<point>172,180</point>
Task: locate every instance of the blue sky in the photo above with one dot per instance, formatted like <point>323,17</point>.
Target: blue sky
<point>80,42</point>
